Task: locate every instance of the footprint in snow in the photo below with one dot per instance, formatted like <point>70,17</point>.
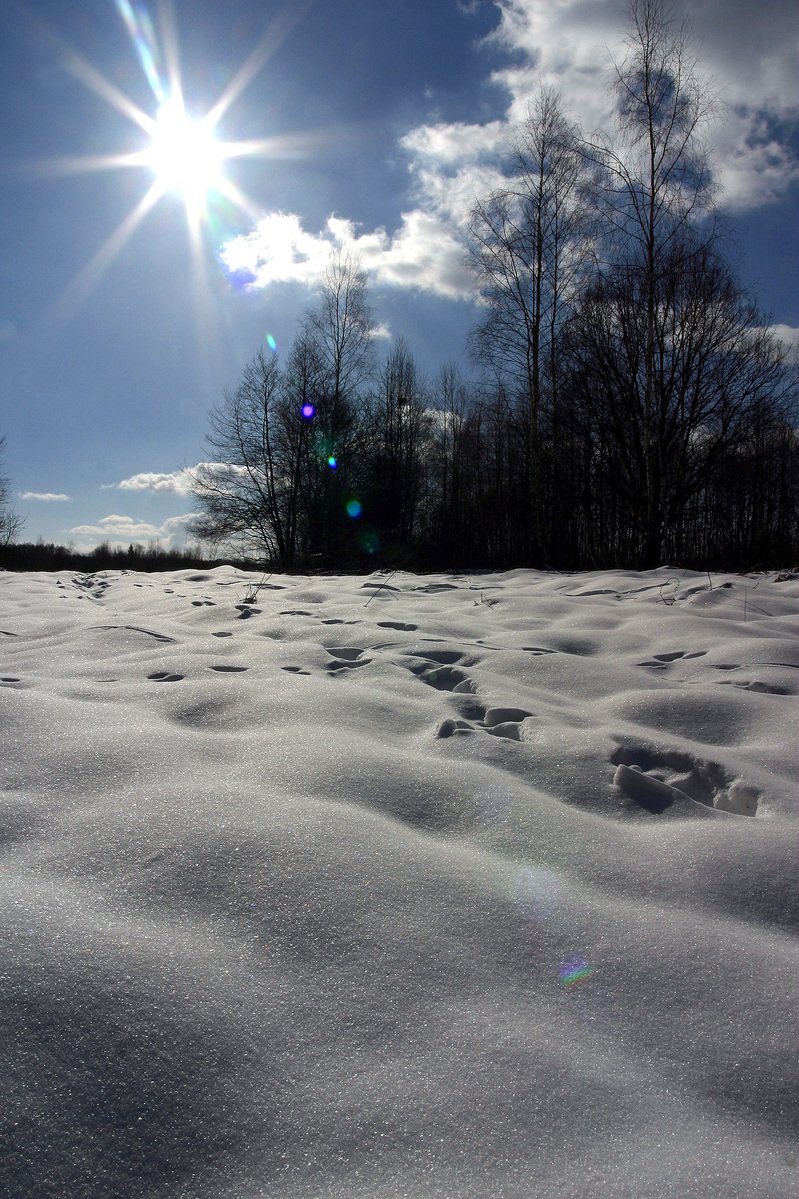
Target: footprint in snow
<point>657,780</point>
<point>448,678</point>
<point>454,728</point>
<point>661,661</point>
<point>132,628</point>
<point>505,722</point>
<point>346,657</point>
<point>163,676</point>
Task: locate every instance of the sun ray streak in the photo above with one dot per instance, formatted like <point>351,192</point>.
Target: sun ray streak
<point>277,32</point>
<point>140,30</point>
<point>241,200</point>
<point>169,38</point>
<point>90,275</point>
<point>83,164</point>
<point>88,75</point>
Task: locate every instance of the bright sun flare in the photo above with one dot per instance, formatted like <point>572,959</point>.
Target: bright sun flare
<point>184,155</point>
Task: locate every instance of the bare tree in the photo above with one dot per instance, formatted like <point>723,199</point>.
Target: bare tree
<point>400,428</point>
<point>453,457</point>
<point>531,242</point>
<point>279,443</point>
<point>10,522</point>
<point>717,375</point>
<point>657,182</point>
<point>340,324</point>
<point>247,492</point>
<point>338,328</point>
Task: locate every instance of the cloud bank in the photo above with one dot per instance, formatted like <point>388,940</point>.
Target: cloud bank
<point>424,253</point>
<point>787,336</point>
<point>120,530</point>
<point>752,66</point>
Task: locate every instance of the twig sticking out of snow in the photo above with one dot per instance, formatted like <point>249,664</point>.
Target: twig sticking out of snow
<point>385,582</point>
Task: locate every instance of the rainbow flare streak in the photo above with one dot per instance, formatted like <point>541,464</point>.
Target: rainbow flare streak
<point>140,28</point>
<point>574,971</point>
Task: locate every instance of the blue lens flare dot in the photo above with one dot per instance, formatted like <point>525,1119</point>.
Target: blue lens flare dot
<point>332,461</point>
<point>308,411</point>
<point>270,341</point>
<point>354,509</point>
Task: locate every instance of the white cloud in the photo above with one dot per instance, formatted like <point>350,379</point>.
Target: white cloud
<point>47,497</point>
<point>424,253</point>
<point>120,530</point>
<point>278,250</point>
<point>117,526</point>
<point>570,44</point>
<point>753,166</point>
<point>787,336</point>
<point>455,143</point>
<point>177,482</point>
<point>752,65</point>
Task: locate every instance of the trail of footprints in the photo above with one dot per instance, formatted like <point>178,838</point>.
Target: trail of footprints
<point>165,676</point>
<point>661,662</point>
<point>650,778</point>
<point>439,668</point>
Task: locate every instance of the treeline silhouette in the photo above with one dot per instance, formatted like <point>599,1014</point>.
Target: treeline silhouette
<point>633,406</point>
<point>43,555</point>
<point>627,404</point>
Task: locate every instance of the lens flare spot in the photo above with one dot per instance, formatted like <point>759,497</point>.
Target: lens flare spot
<point>354,509</point>
<point>332,461</point>
<point>270,341</point>
<point>537,893</point>
<point>308,411</point>
<point>369,542</point>
<point>573,971</point>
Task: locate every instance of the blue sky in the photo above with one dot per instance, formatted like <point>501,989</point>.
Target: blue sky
<point>376,123</point>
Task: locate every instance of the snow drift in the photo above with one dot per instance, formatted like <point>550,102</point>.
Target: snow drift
<point>398,886</point>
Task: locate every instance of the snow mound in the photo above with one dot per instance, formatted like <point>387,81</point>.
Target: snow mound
<point>370,888</point>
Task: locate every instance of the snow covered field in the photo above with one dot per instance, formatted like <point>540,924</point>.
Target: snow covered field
<point>462,887</point>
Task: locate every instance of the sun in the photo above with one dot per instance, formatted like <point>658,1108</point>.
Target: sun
<point>182,154</point>
<point>185,156</point>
